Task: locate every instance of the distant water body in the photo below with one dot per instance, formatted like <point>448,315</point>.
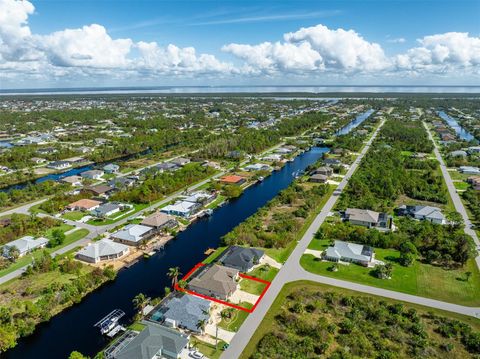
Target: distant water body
<point>243,89</point>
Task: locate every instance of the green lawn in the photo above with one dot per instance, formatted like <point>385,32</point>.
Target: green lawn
<point>138,327</point>
<point>455,175</point>
<point>237,318</point>
<point>419,279</point>
<point>462,186</point>
<point>208,349</point>
<point>267,324</point>
<point>74,215</point>
<point>214,255</point>
<point>214,204</point>
<point>264,272</point>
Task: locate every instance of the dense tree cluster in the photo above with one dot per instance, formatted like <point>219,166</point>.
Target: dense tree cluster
<point>22,225</point>
<point>278,222</point>
<point>472,199</point>
<point>320,324</point>
<point>31,192</point>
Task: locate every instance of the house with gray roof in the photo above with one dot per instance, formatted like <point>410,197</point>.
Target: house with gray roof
<point>367,218</point>
<point>107,209</point>
<point>423,213</point>
<point>180,161</point>
<point>351,252</point>
<point>92,174</point>
<point>183,311</point>
<point>133,234</point>
<point>160,220</point>
<point>215,281</point>
<point>241,258</point>
<point>111,168</point>
<point>25,245</point>
<point>155,342</point>
<point>103,250</point>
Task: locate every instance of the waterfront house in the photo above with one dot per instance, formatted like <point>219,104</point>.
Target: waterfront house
<point>155,341</point>
<point>332,162</point>
<point>241,258</point>
<point>272,157</point>
<point>180,161</point>
<point>351,252</point>
<point>182,209</point>
<point>111,168</point>
<point>92,174</point>
<point>133,234</point>
<point>84,204</point>
<point>326,171</point>
<point>258,167</point>
<point>367,218</point>
<point>232,179</point>
<point>423,213</point>
<point>59,165</point>
<point>183,311</point>
<point>318,178</point>
<point>25,245</point>
<point>103,250</point>
<point>159,220</point>
<point>72,180</point>
<point>215,281</point>
<point>201,197</point>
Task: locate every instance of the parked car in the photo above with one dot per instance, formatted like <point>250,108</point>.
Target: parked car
<point>196,355</point>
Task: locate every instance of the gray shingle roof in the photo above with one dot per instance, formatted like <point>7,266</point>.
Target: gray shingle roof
<point>241,258</point>
<point>349,250</point>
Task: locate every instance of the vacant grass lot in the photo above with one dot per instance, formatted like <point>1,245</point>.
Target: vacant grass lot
<point>74,215</point>
<point>269,325</point>
<point>264,272</point>
<point>419,279</point>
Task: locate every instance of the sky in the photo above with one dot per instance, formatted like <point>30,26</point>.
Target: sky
<point>95,43</point>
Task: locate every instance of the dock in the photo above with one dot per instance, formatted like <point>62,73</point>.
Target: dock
<point>209,251</point>
<point>110,322</point>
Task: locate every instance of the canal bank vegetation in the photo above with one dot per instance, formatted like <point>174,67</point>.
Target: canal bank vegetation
<point>48,286</point>
<point>278,224</point>
<point>314,320</point>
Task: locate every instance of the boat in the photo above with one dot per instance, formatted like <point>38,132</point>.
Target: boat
<point>110,321</point>
<point>208,212</point>
<point>261,178</point>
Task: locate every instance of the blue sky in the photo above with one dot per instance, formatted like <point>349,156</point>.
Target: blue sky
<point>210,27</point>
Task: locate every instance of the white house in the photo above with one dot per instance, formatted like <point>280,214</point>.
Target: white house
<point>92,174</point>
<point>182,209</point>
<point>351,252</point>
<point>103,250</point>
<point>25,245</point>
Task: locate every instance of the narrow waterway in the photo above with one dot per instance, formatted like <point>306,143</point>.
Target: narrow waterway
<point>453,123</point>
<point>355,123</point>
<point>73,329</point>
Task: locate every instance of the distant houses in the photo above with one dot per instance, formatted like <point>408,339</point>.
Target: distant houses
<point>101,251</point>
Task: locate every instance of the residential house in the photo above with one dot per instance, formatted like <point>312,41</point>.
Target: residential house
<point>326,171</point>
<point>233,179</point>
<point>183,311</point>
<point>25,245</point>
<point>167,166</point>
<point>159,220</point>
<point>332,162</point>
<point>201,197</point>
<point>458,153</point>
<point>121,182</point>
<point>424,213</point>
<point>258,167</point>
<point>367,218</point>
<point>351,252</point>
<point>111,168</point>
<point>99,190</point>
<point>180,161</point>
<point>38,160</point>
<point>469,170</point>
<point>215,281</point>
<point>133,234</point>
<point>475,182</point>
<point>318,178</point>
<point>101,251</point>
<point>241,258</point>
<point>473,149</point>
<point>84,204</point>
<point>84,149</point>
<point>272,157</point>
<point>182,209</point>
<point>108,209</point>
<point>92,174</point>
<point>46,150</point>
<point>72,180</point>
<point>155,341</point>
<point>59,165</point>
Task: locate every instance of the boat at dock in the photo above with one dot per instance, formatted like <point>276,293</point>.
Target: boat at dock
<point>109,323</point>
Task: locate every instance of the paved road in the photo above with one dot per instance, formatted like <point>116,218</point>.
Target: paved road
<point>457,202</point>
<point>292,271</point>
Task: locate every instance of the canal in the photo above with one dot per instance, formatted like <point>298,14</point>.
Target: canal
<point>453,123</point>
<point>73,329</point>
<point>355,123</point>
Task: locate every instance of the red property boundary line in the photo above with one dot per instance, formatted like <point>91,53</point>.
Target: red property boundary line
<point>248,310</point>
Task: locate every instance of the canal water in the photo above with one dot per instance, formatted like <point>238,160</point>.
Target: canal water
<point>355,123</point>
<point>461,132</point>
<point>73,329</point>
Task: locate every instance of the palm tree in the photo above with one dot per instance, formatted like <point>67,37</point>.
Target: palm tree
<point>174,273</point>
<point>140,301</point>
<point>201,324</point>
